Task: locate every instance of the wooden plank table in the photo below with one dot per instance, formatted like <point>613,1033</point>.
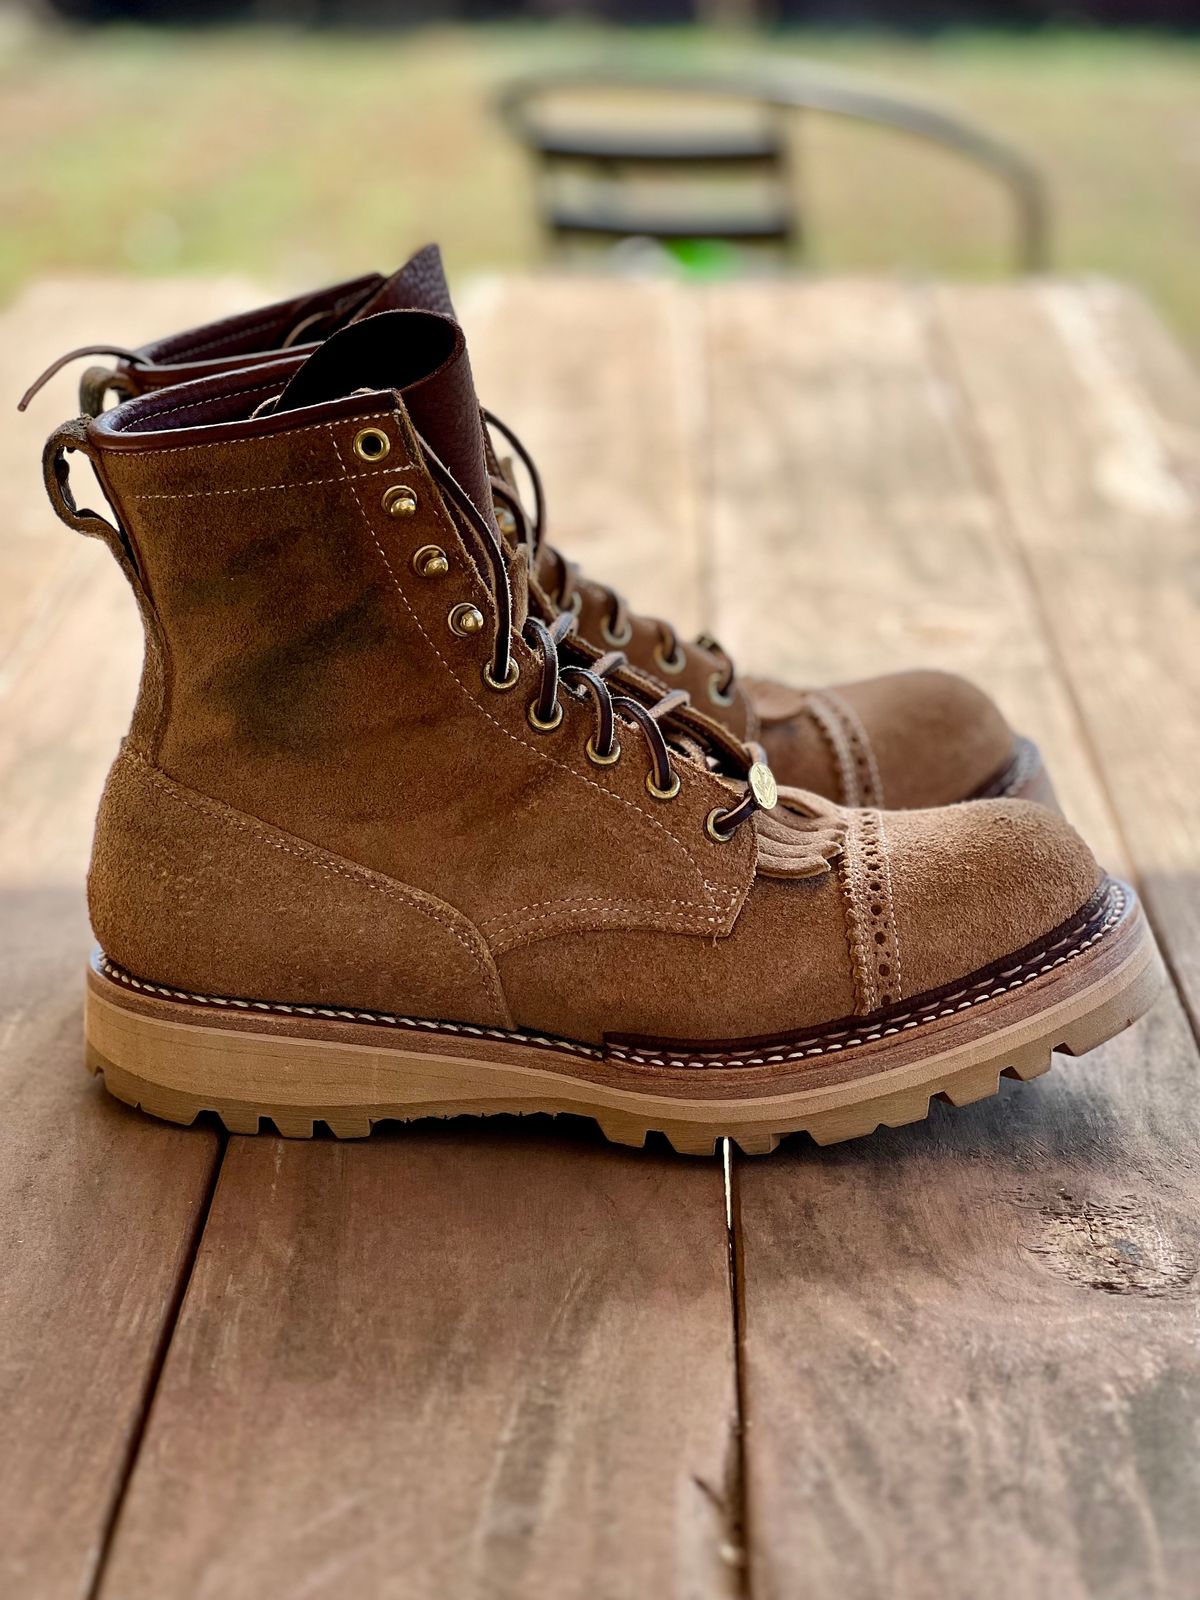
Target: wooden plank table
<point>960,1359</point>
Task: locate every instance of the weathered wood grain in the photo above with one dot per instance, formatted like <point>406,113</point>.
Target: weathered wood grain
<point>969,1348</point>
<point>1090,419</point>
<point>472,1362</point>
<point>969,1362</point>
<point>852,532</point>
<point>99,1207</point>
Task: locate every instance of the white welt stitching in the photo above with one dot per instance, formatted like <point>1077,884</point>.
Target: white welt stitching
<point>946,1006</point>
<point>335,1013</point>
<point>943,1007</point>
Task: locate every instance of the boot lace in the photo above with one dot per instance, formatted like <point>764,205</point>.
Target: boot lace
<point>552,643</point>
<point>616,627</point>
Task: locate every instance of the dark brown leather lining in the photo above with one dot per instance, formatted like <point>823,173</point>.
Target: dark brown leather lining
<point>257,333</point>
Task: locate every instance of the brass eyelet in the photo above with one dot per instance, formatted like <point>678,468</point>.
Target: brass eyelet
<point>399,500</point>
<point>545,727</point>
<point>711,828</point>
<point>466,621</point>
<point>716,694</point>
<point>662,794</point>
<point>431,561</point>
<point>501,684</point>
<point>372,444</point>
<point>672,665</point>
<point>597,759</point>
<point>574,604</point>
<point>506,522</point>
<point>616,640</point>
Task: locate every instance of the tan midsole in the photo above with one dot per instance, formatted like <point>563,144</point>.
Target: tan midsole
<point>215,1066</point>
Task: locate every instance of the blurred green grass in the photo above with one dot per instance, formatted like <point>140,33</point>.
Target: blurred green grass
<point>301,156</point>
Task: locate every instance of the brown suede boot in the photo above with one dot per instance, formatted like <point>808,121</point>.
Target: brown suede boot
<point>909,739</point>
<point>387,839</point>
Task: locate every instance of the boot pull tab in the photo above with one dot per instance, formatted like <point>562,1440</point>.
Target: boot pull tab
<point>72,436</point>
<point>92,388</point>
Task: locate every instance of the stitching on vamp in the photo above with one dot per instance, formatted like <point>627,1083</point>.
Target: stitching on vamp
<point>650,914</point>
<point>577,902</point>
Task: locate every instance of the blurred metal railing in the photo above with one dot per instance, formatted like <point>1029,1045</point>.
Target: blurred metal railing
<point>775,92</point>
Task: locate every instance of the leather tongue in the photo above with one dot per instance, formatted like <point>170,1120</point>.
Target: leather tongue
<point>421,355</point>
<point>420,285</point>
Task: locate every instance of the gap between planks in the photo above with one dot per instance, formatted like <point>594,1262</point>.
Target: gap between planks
<point>849,1397</point>
<point>669,1519</point>
<point>107,1213</point>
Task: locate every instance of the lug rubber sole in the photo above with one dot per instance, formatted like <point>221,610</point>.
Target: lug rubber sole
<point>295,1066</point>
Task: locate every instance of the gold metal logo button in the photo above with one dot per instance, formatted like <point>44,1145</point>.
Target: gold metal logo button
<point>763,786</point>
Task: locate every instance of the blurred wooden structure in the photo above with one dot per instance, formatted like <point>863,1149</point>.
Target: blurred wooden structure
<point>956,1360</point>
<point>688,158</point>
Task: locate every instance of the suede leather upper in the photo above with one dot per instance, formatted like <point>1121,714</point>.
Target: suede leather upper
<point>322,800</point>
<point>905,739</point>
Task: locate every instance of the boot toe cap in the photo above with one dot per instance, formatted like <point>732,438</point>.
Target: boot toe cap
<point>971,885</point>
<point>936,738</point>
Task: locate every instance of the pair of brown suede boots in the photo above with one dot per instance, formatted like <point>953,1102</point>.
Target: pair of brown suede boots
<point>414,820</point>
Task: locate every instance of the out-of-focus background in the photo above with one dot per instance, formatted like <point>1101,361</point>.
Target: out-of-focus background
<point>296,143</point>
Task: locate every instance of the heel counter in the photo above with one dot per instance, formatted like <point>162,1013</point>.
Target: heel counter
<point>187,892</point>
<point>112,879</point>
